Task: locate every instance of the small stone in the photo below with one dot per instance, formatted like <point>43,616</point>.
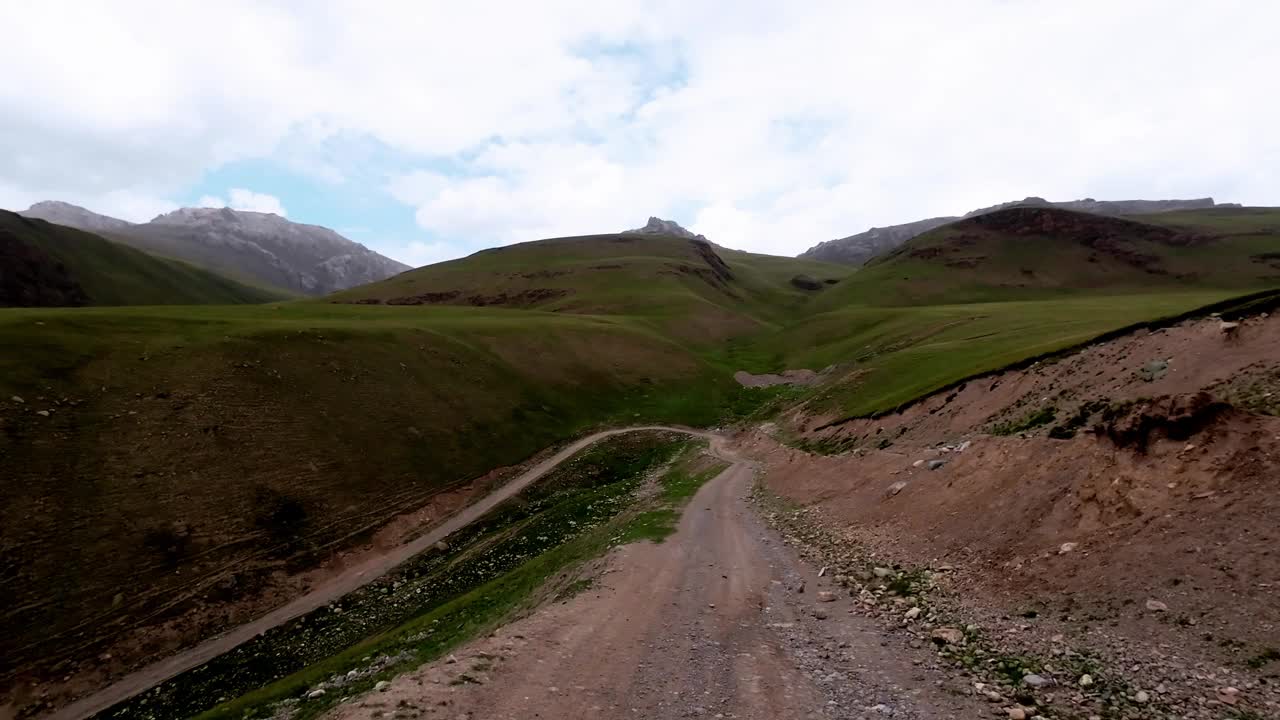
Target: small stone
<point>442,546</point>
<point>1016,713</point>
<point>1035,681</point>
<point>1067,547</point>
<point>17,399</point>
<point>1086,680</point>
<point>318,692</point>
<point>896,488</point>
<point>935,464</point>
<point>42,413</point>
<point>881,572</point>
<point>1156,606</point>
<point>381,686</point>
<point>947,636</point>
<point>917,463</point>
<point>820,614</point>
<point>913,613</point>
<point>826,596</point>
<point>1142,697</point>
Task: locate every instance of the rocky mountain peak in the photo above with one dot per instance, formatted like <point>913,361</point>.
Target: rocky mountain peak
<point>63,213</point>
<point>265,247</point>
<point>658,226</point>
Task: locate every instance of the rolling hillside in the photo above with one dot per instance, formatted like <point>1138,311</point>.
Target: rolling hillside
<point>979,294</point>
<point>50,265</point>
<point>1032,252</point>
<point>862,247</point>
<point>685,287</point>
<point>178,463</point>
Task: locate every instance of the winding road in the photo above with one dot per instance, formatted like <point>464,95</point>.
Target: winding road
<point>354,578</point>
<point>715,622</point>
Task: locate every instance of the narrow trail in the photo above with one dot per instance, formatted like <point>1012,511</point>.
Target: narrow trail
<point>713,623</point>
<point>354,578</point>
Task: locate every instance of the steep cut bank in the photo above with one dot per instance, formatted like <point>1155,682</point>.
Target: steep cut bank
<point>1121,499</point>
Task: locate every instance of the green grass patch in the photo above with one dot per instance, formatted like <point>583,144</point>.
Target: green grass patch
<point>1032,420</point>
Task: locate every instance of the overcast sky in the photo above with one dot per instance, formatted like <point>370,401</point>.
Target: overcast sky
<point>428,130</point>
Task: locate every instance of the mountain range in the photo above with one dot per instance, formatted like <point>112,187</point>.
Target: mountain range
<point>258,248</point>
<point>858,249</point>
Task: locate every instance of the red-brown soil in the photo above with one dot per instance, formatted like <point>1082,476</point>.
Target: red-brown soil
<point>1158,518</point>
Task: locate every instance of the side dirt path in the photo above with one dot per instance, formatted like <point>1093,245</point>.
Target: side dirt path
<point>354,578</point>
<point>720,621</point>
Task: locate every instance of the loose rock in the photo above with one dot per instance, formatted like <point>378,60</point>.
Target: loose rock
<point>1035,680</point>
<point>947,635</point>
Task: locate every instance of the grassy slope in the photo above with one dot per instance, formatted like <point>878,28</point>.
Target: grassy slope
<point>885,357</point>
<point>1037,253</point>
<point>114,274</point>
<point>967,299</point>
<point>276,434</point>
<point>663,280</point>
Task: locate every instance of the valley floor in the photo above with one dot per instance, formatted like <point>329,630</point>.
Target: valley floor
<point>722,620</point>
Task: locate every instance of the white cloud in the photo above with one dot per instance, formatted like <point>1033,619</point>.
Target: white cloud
<point>770,127</point>
<point>242,199</point>
<point>420,253</point>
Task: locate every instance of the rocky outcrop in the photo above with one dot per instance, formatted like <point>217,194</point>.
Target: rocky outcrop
<point>858,249</point>
<point>259,247</point>
<point>658,226</point>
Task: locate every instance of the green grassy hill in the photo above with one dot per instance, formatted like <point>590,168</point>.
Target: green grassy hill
<point>51,265</point>
<point>1029,253</point>
<point>979,294</point>
<point>688,289</point>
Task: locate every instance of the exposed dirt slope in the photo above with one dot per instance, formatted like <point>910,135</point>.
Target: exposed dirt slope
<point>1134,489</point>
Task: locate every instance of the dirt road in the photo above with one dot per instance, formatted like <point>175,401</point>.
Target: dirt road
<point>356,577</point>
<point>720,621</point>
